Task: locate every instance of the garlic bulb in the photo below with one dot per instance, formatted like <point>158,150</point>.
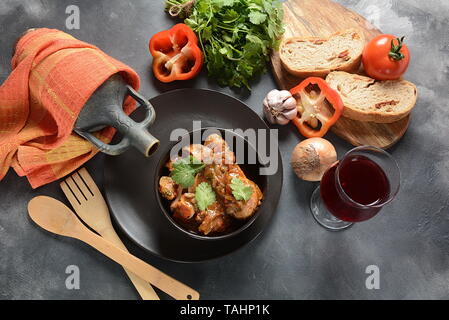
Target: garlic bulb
<point>279,107</point>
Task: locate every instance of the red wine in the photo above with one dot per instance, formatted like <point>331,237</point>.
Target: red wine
<point>363,181</point>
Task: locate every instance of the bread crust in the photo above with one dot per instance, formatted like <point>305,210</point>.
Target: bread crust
<point>353,112</point>
<point>353,65</point>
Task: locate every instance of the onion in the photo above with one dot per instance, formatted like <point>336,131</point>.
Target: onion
<point>312,157</point>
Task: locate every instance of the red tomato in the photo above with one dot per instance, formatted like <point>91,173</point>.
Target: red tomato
<point>386,57</point>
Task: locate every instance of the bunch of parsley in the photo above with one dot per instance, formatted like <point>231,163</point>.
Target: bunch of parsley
<point>236,36</point>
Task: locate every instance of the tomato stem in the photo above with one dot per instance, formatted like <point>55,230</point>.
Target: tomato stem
<point>395,52</point>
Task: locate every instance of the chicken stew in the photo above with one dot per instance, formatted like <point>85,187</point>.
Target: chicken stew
<point>209,193</point>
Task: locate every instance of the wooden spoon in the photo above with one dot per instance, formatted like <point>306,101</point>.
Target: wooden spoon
<point>52,215</point>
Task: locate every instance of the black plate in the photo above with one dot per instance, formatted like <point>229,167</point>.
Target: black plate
<point>129,178</point>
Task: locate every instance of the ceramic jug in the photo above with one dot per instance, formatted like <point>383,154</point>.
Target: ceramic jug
<point>105,108</point>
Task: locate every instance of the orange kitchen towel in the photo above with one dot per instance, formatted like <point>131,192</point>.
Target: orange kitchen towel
<point>53,76</point>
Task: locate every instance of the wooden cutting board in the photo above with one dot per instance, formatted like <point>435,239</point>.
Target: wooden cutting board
<point>323,18</point>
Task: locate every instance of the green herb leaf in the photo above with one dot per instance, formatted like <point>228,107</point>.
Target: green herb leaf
<point>240,190</point>
<point>204,195</point>
<point>223,51</point>
<point>257,17</point>
<point>230,16</point>
<point>183,175</point>
<point>184,171</point>
<point>228,3</point>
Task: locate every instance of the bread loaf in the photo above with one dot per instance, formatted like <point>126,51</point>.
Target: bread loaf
<point>366,99</point>
<point>307,57</point>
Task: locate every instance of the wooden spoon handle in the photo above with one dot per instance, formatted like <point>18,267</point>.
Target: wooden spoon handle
<point>172,287</point>
<point>144,288</point>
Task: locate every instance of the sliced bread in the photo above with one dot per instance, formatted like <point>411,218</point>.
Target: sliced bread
<point>307,57</point>
<point>366,99</point>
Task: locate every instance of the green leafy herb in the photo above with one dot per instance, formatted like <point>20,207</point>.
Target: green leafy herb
<point>236,35</point>
<point>204,195</point>
<point>257,17</point>
<point>240,190</point>
<point>184,171</point>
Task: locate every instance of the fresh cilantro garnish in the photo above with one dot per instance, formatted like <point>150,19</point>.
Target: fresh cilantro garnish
<point>204,195</point>
<point>240,190</point>
<point>184,171</point>
<point>236,36</point>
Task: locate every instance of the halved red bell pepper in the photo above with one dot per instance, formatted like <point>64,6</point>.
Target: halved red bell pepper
<point>176,55</point>
<point>315,114</point>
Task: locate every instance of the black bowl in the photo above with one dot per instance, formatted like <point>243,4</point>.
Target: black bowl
<point>251,170</point>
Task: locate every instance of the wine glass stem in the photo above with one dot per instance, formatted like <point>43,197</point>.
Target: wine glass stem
<point>323,216</point>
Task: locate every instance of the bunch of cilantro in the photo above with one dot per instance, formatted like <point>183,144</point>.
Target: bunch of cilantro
<point>236,36</point>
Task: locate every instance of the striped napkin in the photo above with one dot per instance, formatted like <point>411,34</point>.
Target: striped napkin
<point>53,76</point>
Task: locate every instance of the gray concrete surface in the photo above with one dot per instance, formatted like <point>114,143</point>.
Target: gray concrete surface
<point>294,258</point>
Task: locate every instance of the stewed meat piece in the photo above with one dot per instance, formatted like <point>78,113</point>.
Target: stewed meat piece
<point>183,207</point>
<point>200,152</point>
<point>222,154</point>
<point>167,188</point>
<point>221,178</point>
<point>199,178</point>
<point>212,220</point>
<point>238,208</point>
<point>169,164</point>
<point>221,174</point>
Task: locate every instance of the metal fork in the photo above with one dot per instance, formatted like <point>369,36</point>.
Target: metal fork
<point>88,202</point>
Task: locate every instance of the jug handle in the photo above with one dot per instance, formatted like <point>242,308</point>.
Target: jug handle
<point>109,149</point>
<point>120,117</point>
<point>143,102</point>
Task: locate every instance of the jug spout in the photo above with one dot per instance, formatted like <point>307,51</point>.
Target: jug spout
<point>143,141</point>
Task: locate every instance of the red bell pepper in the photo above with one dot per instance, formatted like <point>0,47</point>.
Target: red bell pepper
<point>176,55</point>
<point>315,108</point>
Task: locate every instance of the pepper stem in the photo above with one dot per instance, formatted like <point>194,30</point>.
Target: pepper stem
<point>395,52</point>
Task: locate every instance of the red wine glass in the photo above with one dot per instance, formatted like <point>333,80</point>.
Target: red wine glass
<point>356,188</point>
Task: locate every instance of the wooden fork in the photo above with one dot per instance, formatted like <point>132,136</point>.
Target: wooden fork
<point>88,202</point>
